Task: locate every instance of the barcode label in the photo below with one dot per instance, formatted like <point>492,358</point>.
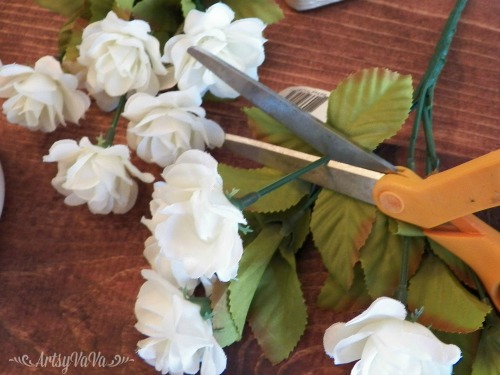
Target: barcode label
<point>308,99</point>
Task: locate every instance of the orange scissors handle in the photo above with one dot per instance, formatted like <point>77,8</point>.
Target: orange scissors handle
<point>478,245</point>
<point>468,188</point>
<point>443,204</point>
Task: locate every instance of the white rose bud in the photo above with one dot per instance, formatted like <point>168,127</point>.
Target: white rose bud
<point>179,338</point>
<point>240,43</point>
<point>42,97</point>
<point>97,176</point>
<point>163,127</point>
<point>193,221</point>
<point>120,57</point>
<point>385,343</point>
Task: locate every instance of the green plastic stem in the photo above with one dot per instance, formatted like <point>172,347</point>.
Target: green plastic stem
<point>253,197</point>
<point>110,133</point>
<point>424,94</point>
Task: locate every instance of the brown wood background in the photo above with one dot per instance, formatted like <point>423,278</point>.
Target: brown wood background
<point>69,279</point>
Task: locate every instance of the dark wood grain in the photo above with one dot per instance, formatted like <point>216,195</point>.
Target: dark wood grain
<point>69,279</point>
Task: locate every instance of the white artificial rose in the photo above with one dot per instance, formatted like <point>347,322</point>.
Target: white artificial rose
<point>42,97</point>
<point>120,57</point>
<point>193,221</point>
<point>97,176</point>
<point>163,127</point>
<point>179,338</point>
<point>385,343</point>
<point>240,43</point>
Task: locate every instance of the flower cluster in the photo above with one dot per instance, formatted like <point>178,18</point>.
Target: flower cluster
<point>194,227</point>
<point>194,239</point>
<point>121,59</point>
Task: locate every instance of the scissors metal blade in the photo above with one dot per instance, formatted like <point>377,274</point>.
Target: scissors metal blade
<point>344,178</point>
<point>324,139</point>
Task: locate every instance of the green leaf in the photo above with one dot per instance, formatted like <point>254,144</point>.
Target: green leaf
<point>66,8</point>
<point>448,306</point>
<point>370,106</point>
<point>278,314</point>
<point>269,130</point>
<point>340,226</point>
<point>267,10</point>
<point>187,6</point>
<point>459,268</point>
<point>253,263</point>
<point>334,297</point>
<point>100,8</point>
<point>468,346</point>
<point>225,331</point>
<point>70,36</point>
<point>251,180</point>
<point>163,16</point>
<point>381,258</point>
<point>487,360</point>
<point>78,14</point>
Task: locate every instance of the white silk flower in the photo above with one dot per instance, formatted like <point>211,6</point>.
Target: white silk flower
<point>100,177</point>
<point>383,342</point>
<point>121,57</point>
<point>180,339</point>
<point>163,127</point>
<point>194,223</point>
<point>238,42</point>
<point>43,97</point>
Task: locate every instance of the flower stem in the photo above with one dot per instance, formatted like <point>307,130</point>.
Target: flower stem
<point>423,100</point>
<point>402,291</point>
<point>424,94</point>
<point>110,133</point>
<point>290,223</point>
<point>253,197</point>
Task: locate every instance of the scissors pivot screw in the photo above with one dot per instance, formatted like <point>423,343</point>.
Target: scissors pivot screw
<point>391,202</point>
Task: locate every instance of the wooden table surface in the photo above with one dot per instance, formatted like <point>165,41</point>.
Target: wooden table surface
<point>69,279</point>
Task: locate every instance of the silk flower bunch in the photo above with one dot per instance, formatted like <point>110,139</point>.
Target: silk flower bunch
<point>194,226</point>
<point>120,59</point>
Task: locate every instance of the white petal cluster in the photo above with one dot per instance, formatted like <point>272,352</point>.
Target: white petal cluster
<point>240,43</point>
<point>193,222</point>
<point>163,127</point>
<point>194,239</point>
<point>179,338</point>
<point>385,343</point>
<point>42,97</point>
<point>97,176</point>
<point>120,57</point>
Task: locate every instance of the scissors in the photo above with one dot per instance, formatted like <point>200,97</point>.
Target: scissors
<point>443,204</point>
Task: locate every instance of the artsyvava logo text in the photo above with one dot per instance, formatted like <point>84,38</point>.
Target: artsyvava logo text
<point>75,359</point>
